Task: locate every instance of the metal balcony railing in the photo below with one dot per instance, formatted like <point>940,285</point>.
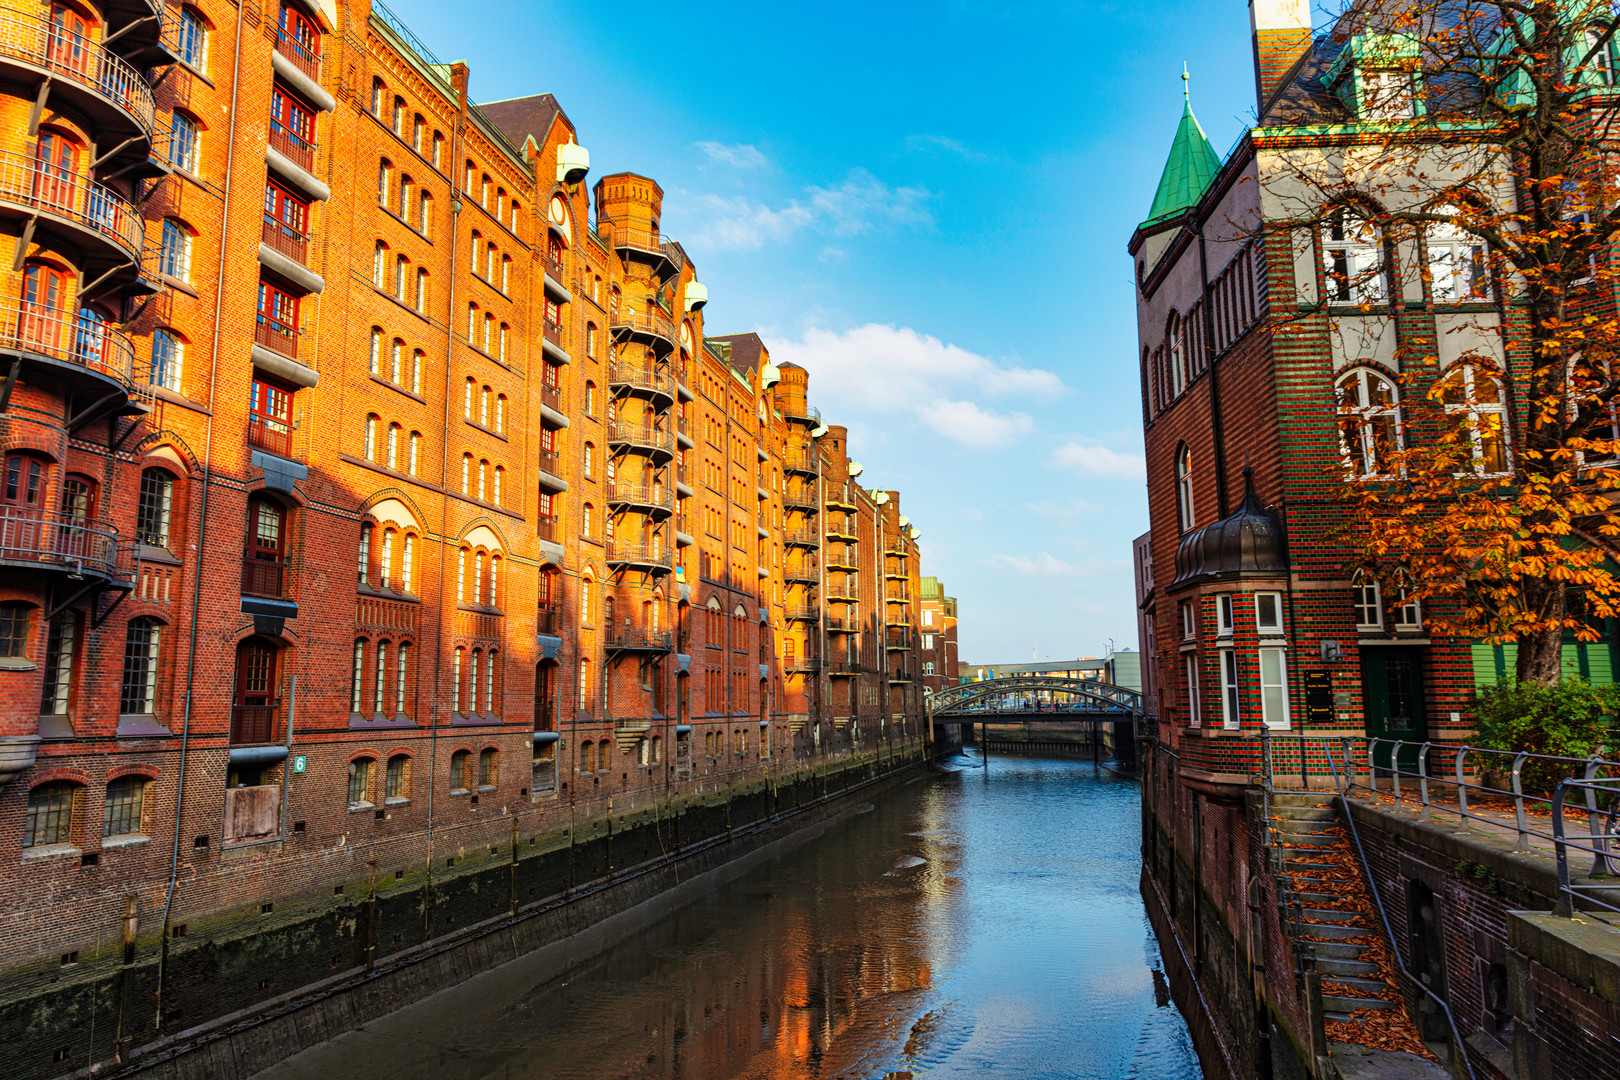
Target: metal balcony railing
<point>545,527</point>
<point>799,497</point>
<point>553,332</point>
<point>548,620</point>
<point>802,613</point>
<point>805,461</point>
<point>270,433</point>
<point>41,43</point>
<point>551,396</point>
<point>639,378</point>
<point>277,337</point>
<point>294,148</point>
<point>551,462</point>
<point>629,637</point>
<point>554,267</point>
<point>71,337</point>
<point>803,537</point>
<point>639,494</point>
<point>843,592</point>
<point>806,573</point>
<point>58,539</point>
<point>252,724</point>
<point>264,577</point>
<point>801,665</point>
<point>303,59</point>
<point>79,199</point>
<point>632,551</point>
<point>640,435</point>
<point>280,237</point>
<point>628,321</point>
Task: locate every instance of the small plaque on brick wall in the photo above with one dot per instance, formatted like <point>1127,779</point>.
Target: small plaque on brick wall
<point>1318,698</point>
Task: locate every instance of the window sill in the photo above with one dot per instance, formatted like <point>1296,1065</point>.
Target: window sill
<point>486,430</point>
<point>153,553</point>
<point>394,386</point>
<point>458,792</point>
<point>51,851</point>
<point>179,286</point>
<point>418,232</point>
<point>358,807</point>
<point>395,800</point>
<point>485,788</point>
<point>17,663</point>
<point>126,840</point>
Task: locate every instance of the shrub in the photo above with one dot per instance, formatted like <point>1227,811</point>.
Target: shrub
<point>1572,719</point>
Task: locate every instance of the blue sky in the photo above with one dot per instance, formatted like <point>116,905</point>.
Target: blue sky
<point>927,205</point>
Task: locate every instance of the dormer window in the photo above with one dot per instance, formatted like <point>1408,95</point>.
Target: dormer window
<point>1600,68</point>
<point>1386,95</point>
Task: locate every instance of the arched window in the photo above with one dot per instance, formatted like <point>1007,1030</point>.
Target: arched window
<point>174,254</point>
<point>590,340</point>
<point>365,552</point>
<point>506,272</point>
<point>138,688</point>
<point>500,414</point>
<point>1456,265</point>
<point>489,768</point>
<point>500,473</point>
<point>168,358</point>
<point>398,787</point>
<point>418,358</point>
<point>191,39</point>
<point>379,97</point>
<point>376,350</point>
<point>461,576</point>
<point>393,445</point>
<point>379,682</point>
<point>585,601</point>
<point>494,580</point>
<point>360,783</point>
<point>372,421</point>
<point>418,133</point>
<point>586,524</point>
<point>590,398</point>
<point>501,341</point>
<point>467,399</point>
<point>466,474</point>
<point>1178,370</point>
<point>407,560</point>
<point>604,760</point>
<point>585,684</point>
<point>587,753</point>
<point>407,188</point>
<point>385,181</point>
<point>1353,251</point>
<point>483,406</point>
<point>1472,397</point>
<point>1369,421</point>
<point>53,812</point>
<point>456,660</point>
<point>477,241</point>
<point>421,299</point>
<point>402,276</point>
<point>153,508</point>
<point>416,449</point>
<point>472,325</point>
<point>1184,488</point>
<point>357,674</point>
<point>472,683</point>
<point>385,559</point>
<point>589,460</point>
<point>396,360</point>
<point>424,214</point>
<point>401,667</point>
<point>399,116</point>
<point>379,265</point>
<point>126,798</point>
<point>184,140</point>
<point>460,768</point>
<point>483,477</point>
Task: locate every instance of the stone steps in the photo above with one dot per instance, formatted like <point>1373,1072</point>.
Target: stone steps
<point>1336,1003</point>
<point>1313,916</point>
<point>1342,969</point>
<point>1334,931</point>
<point>1360,984</point>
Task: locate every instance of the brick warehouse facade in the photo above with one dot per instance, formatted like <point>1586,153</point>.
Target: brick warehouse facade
<point>1270,377</point>
<point>415,515</point>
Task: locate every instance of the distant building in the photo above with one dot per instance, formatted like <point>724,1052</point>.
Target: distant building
<point>937,645</point>
<point>1084,667</point>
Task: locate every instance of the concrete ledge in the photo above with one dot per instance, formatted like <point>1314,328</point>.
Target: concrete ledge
<point>553,415</point>
<point>307,88</point>
<point>1534,870</point>
<point>284,367</point>
<point>296,175</point>
<point>295,272</point>
<point>1584,950</point>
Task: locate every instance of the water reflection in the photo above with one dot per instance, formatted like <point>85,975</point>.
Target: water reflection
<point>985,923</point>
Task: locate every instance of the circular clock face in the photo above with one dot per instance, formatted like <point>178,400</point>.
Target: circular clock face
<point>559,210</point>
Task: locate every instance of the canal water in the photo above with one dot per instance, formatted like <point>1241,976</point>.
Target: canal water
<point>983,923</point>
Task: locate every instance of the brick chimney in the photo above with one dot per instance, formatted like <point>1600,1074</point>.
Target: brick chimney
<point>1282,34</point>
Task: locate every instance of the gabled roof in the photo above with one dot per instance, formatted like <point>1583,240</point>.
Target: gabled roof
<point>525,116</point>
<point>1191,166</point>
<point>745,350</point>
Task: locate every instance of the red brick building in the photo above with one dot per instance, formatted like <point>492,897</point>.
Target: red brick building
<point>336,541</point>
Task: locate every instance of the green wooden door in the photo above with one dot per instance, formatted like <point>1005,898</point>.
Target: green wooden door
<point>1392,702</point>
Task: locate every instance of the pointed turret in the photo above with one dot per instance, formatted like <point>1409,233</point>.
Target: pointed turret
<point>1193,163</point>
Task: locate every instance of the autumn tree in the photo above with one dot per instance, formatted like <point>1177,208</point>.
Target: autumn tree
<point>1487,173</point>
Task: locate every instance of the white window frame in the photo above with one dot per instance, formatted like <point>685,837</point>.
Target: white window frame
<point>1275,629</point>
<point>1195,717</point>
<point>1225,615</point>
<point>1406,613</point>
<point>1353,252</point>
<point>1365,597</point>
<point>1189,621</point>
<point>1231,713</point>
<point>1274,706</point>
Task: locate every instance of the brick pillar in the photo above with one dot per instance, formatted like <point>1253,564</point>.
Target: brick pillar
<point>1282,34</point>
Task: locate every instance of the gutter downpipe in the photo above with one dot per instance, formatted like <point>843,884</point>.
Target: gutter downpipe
<point>458,81</point>
<point>202,519</point>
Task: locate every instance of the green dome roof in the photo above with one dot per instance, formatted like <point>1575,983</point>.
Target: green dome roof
<point>1191,167</point>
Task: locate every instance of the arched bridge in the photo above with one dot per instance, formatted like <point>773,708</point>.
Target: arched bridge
<point>1033,698</point>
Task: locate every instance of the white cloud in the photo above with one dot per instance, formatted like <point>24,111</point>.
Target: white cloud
<point>942,142</point>
<point>895,371</point>
<point>738,156</point>
<point>1096,460</point>
<point>858,204</point>
<point>1066,513</point>
<point>1042,565</point>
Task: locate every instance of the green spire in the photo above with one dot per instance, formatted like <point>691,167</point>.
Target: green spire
<point>1192,165</point>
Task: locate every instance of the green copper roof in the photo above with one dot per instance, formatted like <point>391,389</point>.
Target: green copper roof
<point>1187,174</point>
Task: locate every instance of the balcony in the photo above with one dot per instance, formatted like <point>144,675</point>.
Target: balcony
<point>897,639</point>
<point>895,549</point>
<point>70,347</point>
<point>93,218</point>
<point>292,158</point>
<point>284,240</point>
<point>554,268</point>
<point>802,461</point>
<point>264,577</point>
<point>481,624</point>
<point>47,539</point>
<point>898,616</point>
<point>846,562</point>
<point>797,410</point>
<point>653,558</point>
<point>389,616</point>
<point>545,527</point>
<point>277,337</point>
<point>256,724</point>
<point>806,538</point>
<point>653,499</point>
<point>551,474</point>
<point>897,593</point>
<point>841,530</point>
<point>302,58</point>
<point>901,676</point>
<point>640,438</point>
<point>270,434</point>
<point>843,623</point>
<point>801,665</point>
<point>642,381</point>
<point>803,574</point>
<point>549,620</point>
<point>802,613</point>
<point>850,593</point>
<point>551,398</point>
<point>836,500</point>
<point>632,639</point>
<point>96,81</point>
<point>650,327</point>
<point>843,669</point>
<point>682,434</point>
<point>800,498</point>
<point>643,245</point>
